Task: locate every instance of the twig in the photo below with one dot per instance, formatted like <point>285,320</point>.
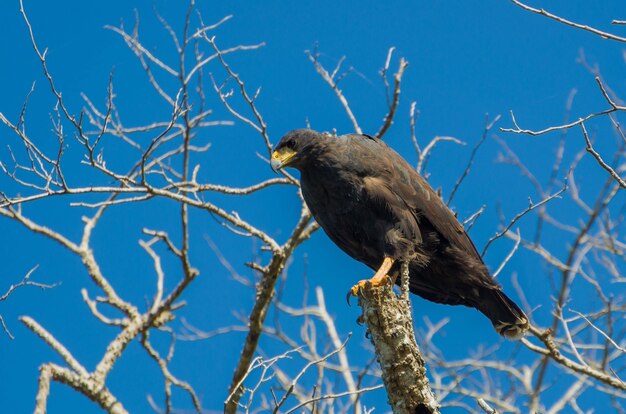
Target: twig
<point>531,207</point>
<point>598,158</point>
<point>553,352</point>
<point>486,407</point>
<point>488,126</point>
<point>388,121</point>
<point>333,396</point>
<point>542,12</point>
<point>331,81</point>
<point>423,155</point>
<point>303,371</point>
<point>508,256</point>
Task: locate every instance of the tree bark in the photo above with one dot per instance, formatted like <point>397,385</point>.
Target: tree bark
<point>390,327</point>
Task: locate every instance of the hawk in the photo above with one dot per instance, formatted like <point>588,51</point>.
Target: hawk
<point>381,212</point>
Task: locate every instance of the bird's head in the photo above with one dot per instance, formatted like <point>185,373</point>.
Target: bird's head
<point>295,148</point>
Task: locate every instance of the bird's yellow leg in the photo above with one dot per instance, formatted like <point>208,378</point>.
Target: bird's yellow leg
<point>379,278</point>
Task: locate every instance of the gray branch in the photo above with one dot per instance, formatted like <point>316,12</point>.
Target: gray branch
<point>390,326</point>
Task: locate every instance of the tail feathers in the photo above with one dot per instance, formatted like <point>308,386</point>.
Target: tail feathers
<point>507,318</point>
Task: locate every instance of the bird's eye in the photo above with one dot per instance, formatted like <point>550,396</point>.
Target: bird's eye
<point>291,143</point>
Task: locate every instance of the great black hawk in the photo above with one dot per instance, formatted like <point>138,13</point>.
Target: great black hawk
<point>381,212</point>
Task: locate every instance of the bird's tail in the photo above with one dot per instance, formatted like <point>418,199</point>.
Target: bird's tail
<point>507,318</point>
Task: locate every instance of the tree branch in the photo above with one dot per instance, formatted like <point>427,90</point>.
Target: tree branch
<point>389,323</point>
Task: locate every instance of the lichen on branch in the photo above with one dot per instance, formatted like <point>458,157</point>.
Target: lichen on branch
<point>390,328</point>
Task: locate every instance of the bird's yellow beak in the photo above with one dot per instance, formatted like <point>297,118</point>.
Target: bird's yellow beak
<point>281,158</point>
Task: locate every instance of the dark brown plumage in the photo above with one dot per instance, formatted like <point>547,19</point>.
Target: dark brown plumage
<point>373,205</point>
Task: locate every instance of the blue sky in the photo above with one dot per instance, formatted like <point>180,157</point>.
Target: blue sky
<point>467,59</point>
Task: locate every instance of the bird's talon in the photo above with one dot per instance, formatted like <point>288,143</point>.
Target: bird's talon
<point>356,289</point>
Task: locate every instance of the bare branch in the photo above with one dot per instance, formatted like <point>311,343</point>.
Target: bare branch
<point>551,350</point>
<point>391,331</point>
<point>531,207</point>
<point>488,126</point>
<point>542,12</point>
<point>333,83</point>
<point>598,158</point>
<point>388,121</point>
<point>54,344</point>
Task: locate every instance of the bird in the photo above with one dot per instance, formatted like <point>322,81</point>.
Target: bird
<point>380,211</point>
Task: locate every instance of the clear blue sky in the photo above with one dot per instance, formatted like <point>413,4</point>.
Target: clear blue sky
<point>466,59</point>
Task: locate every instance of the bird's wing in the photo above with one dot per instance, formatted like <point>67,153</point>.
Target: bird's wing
<point>430,205</point>
<point>393,179</point>
<point>391,207</point>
